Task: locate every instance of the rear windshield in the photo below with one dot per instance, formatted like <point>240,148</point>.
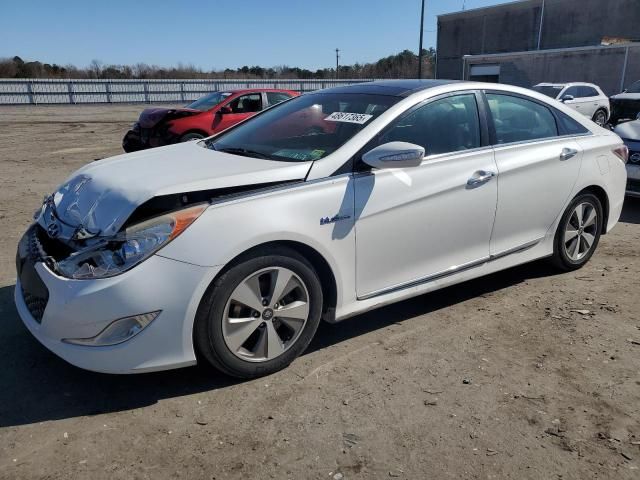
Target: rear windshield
<point>305,128</point>
<point>208,101</point>
<point>548,90</point>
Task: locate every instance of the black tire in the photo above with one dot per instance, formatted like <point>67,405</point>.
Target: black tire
<point>188,137</point>
<point>600,115</point>
<point>208,329</point>
<point>561,258</point>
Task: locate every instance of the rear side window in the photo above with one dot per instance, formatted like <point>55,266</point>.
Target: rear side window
<point>277,97</point>
<point>442,126</point>
<point>588,92</point>
<point>568,126</point>
<point>519,120</point>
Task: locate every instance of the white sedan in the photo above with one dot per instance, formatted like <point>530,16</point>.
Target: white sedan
<point>231,250</point>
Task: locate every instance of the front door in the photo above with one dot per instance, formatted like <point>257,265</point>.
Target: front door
<point>417,224</point>
<point>236,110</point>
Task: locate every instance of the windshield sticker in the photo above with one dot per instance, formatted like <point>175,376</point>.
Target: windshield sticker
<point>294,154</point>
<point>360,118</point>
<point>316,154</point>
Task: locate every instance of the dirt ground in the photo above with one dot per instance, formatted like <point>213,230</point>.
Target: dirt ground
<point>495,378</point>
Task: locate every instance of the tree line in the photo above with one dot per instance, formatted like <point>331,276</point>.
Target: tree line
<point>401,65</point>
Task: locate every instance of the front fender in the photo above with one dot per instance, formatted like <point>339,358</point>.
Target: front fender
<point>319,214</point>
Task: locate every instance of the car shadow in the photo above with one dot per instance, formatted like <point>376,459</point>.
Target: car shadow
<point>37,386</point>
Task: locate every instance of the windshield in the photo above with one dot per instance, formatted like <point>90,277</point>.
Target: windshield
<point>208,101</point>
<point>548,90</point>
<point>305,128</point>
<point>634,88</point>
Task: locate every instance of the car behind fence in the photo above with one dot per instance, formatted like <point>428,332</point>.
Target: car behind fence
<point>66,91</point>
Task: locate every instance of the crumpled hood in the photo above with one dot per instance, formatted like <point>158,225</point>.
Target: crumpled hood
<point>98,198</point>
<point>150,117</point>
<point>629,130</point>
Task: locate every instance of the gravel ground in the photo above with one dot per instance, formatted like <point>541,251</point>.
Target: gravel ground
<point>495,378</point>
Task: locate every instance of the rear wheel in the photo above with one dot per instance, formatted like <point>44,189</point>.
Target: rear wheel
<point>578,233</point>
<point>188,137</point>
<point>600,117</point>
<point>259,315</point>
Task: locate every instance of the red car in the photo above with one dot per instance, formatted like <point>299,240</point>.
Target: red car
<point>204,117</point>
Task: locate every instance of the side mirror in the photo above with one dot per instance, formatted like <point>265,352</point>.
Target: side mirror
<point>394,155</point>
<point>225,110</point>
<point>566,98</point>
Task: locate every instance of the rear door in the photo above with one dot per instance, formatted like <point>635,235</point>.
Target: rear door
<point>538,164</point>
<point>590,100</point>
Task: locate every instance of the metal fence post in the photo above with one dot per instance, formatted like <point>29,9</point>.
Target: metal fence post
<point>182,91</point>
<point>30,92</point>
<point>107,87</point>
<point>145,86</point>
<point>70,90</point>
<point>624,68</point>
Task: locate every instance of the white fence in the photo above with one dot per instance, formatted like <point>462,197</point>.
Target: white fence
<point>62,91</point>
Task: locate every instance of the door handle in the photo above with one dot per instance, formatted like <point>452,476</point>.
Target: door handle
<point>568,153</point>
<point>480,178</point>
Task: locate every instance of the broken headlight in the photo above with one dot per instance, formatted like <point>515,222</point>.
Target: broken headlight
<point>125,250</point>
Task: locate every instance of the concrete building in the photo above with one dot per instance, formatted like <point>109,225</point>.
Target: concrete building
<point>532,41</point>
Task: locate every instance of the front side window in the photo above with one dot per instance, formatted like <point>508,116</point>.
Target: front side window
<point>308,127</point>
<point>573,91</point>
<point>246,103</point>
<point>442,126</point>
<point>277,97</point>
<point>519,120</point>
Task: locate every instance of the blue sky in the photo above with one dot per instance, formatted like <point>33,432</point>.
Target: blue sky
<point>217,33</point>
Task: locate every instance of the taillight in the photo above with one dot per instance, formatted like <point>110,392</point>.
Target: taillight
<point>622,153</point>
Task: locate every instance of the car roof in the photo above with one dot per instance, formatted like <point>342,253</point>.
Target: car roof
<point>245,90</point>
<point>396,88</point>
<point>565,84</point>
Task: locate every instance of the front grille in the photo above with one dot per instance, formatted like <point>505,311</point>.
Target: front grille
<point>34,291</point>
<point>35,303</point>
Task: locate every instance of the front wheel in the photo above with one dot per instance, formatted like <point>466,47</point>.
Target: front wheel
<point>578,233</point>
<point>259,315</point>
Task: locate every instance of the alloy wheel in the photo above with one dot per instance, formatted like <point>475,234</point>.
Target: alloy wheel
<point>581,231</point>
<point>601,118</point>
<point>265,314</point>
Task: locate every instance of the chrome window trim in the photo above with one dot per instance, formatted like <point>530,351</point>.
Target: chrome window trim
<point>439,156</point>
<point>543,140</point>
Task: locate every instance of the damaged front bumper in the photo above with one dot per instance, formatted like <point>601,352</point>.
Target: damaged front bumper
<point>139,138</point>
<point>54,308</point>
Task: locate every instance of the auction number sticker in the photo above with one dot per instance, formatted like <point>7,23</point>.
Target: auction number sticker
<point>349,117</point>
